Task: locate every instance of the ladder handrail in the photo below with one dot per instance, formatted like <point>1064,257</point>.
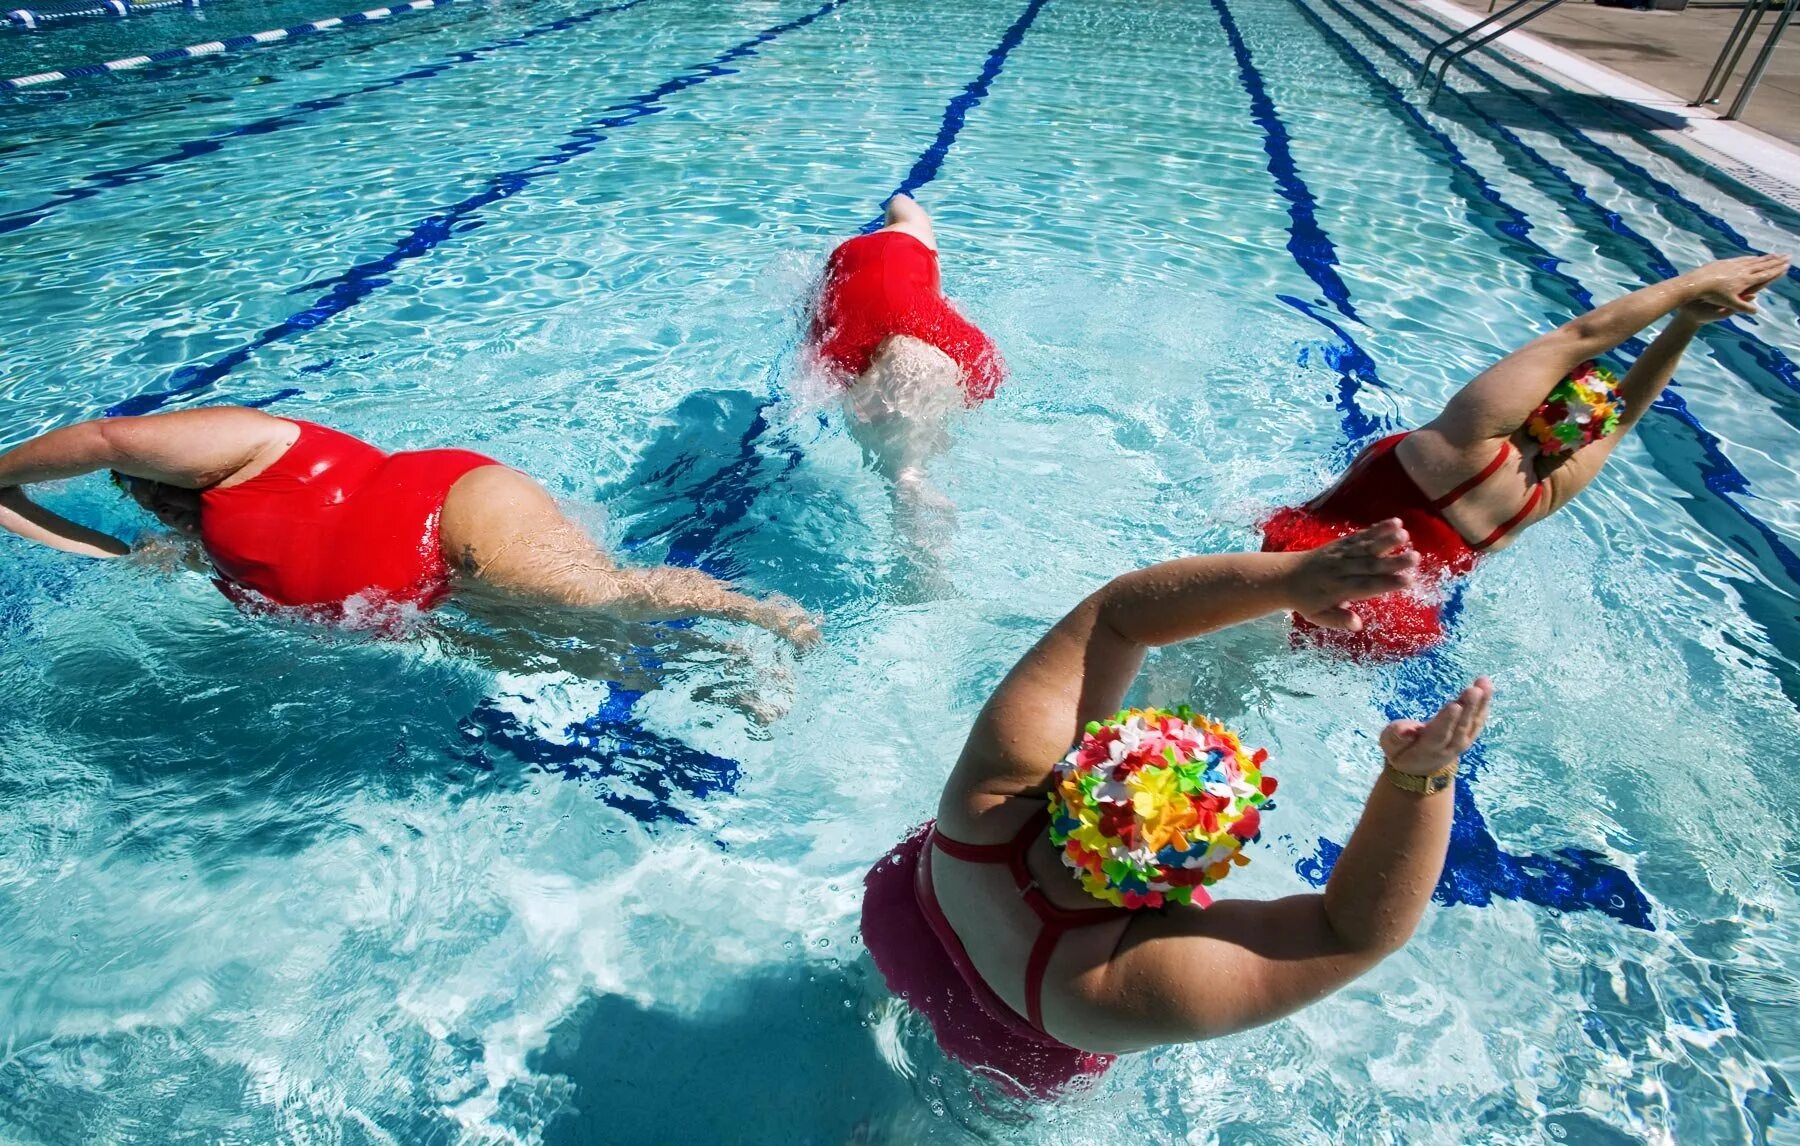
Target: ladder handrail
<point>1441,45</point>
<point>1762,60</point>
<point>1742,33</point>
<point>1451,59</point>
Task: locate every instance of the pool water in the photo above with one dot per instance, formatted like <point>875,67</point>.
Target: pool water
<point>268,882</point>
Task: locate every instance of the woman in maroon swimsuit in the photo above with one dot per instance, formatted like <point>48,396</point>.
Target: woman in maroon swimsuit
<point>1502,455</point>
<point>1024,975</point>
<point>292,513</point>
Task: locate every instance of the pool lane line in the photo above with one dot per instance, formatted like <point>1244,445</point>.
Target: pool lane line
<point>1645,138</point>
<point>930,163</point>
<point>1308,243</point>
<point>351,286</point>
<point>1476,868</point>
<point>215,47</point>
<point>1721,479</point>
<point>1770,358</point>
<point>293,115</point>
<point>734,489</point>
<point>115,9</point>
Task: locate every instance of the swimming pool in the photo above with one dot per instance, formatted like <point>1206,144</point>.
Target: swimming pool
<point>261,882</point>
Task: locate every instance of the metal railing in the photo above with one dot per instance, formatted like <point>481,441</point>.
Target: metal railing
<point>1732,52</point>
<point>1445,45</point>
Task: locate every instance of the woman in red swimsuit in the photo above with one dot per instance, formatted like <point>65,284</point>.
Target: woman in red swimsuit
<point>295,514</point>
<point>1022,973</point>
<point>906,360</point>
<point>1492,463</point>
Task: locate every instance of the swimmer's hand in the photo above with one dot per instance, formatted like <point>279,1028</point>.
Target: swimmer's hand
<point>166,553</point>
<point>1730,286</point>
<point>789,621</point>
<point>1368,563</point>
<point>1421,749</point>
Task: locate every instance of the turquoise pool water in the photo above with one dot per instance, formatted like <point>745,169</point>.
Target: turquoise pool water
<point>260,882</point>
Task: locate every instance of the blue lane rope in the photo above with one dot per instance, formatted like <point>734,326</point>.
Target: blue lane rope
<point>215,47</point>
<point>293,115</point>
<point>30,20</point>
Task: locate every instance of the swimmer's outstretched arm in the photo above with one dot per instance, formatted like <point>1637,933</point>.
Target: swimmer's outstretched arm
<point>1083,666</point>
<point>190,449</point>
<point>1191,974</point>
<point>1498,402</point>
<point>20,515</point>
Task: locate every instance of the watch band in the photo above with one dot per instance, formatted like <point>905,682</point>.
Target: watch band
<point>1429,784</point>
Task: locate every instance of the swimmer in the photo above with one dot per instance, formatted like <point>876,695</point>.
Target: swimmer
<point>907,361</point>
<point>296,514</point>
<point>1033,961</point>
<point>1512,447</point>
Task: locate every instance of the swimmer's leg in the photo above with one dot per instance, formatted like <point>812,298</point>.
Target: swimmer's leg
<point>900,412</point>
<point>501,532</point>
<point>905,215</point>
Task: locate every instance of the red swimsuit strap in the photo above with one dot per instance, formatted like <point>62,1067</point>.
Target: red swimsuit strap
<point>1513,522</point>
<point>1055,919</point>
<point>1456,494</point>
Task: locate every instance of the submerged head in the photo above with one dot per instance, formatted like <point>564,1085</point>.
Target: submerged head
<point>1153,805</point>
<point>907,365</point>
<point>174,506</point>
<point>1582,408</point>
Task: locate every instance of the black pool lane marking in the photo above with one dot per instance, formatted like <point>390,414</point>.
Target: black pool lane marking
<point>351,286</point>
<point>1477,870</point>
<point>294,115</point>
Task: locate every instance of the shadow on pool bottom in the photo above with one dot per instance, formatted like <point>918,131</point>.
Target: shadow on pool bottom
<point>781,1059</point>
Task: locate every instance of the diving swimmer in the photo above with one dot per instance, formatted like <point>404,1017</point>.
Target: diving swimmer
<point>1055,914</point>
<point>1512,447</point>
<point>906,359</point>
<point>292,513</point>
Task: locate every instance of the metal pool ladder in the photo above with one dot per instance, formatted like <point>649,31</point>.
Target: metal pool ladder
<point>1448,43</point>
<point>1741,34</point>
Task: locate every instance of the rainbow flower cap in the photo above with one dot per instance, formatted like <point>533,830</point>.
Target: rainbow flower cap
<point>1583,408</point>
<point>1153,805</point>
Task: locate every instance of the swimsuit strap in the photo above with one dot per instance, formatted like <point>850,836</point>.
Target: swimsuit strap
<point>1456,494</point>
<point>1492,539</point>
<point>1055,919</point>
<point>987,853</point>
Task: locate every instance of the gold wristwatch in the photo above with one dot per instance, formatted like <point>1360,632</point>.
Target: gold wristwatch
<point>1429,784</point>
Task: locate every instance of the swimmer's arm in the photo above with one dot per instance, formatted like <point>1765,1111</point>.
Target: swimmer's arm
<point>1199,974</point>
<point>1082,667</point>
<point>668,592</point>
<point>1502,398</point>
<point>189,448</point>
<point>20,515</point>
<point>1640,387</point>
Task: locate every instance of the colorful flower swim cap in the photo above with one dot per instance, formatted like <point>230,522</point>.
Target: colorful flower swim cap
<point>1152,804</point>
<point>1583,408</point>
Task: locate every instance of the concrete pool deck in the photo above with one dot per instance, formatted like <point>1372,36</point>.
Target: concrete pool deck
<point>1650,64</point>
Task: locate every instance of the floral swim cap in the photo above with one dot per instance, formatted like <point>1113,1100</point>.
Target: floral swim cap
<point>1153,804</point>
<point>1583,408</point>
